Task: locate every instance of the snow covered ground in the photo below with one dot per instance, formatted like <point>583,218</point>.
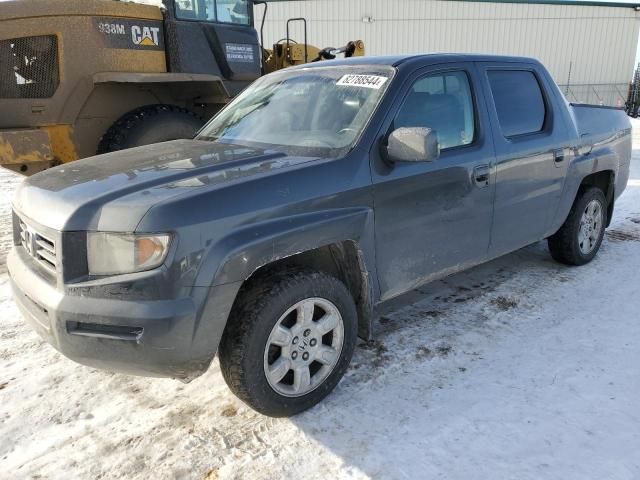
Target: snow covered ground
<point>520,368</point>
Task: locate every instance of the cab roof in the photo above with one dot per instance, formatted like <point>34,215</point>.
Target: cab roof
<point>423,58</point>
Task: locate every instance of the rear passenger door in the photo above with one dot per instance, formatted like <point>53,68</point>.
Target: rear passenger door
<point>434,218</point>
<point>532,152</point>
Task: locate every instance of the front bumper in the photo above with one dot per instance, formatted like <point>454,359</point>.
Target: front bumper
<point>26,151</point>
<point>159,338</point>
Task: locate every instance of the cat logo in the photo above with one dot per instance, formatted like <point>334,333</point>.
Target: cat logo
<point>145,36</point>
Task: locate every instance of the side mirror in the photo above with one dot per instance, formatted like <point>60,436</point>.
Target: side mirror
<point>413,144</point>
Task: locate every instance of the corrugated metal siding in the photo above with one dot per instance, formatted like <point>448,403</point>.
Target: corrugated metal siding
<point>598,42</point>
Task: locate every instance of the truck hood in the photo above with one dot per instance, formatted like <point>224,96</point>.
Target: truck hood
<point>113,192</point>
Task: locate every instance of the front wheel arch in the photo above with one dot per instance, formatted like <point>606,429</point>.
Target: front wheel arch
<point>343,260</point>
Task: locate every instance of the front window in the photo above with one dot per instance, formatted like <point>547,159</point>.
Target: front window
<point>442,102</point>
<point>311,112</point>
<point>223,11</point>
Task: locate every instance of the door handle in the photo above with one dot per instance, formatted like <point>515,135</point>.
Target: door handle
<point>558,156</point>
<point>481,174</point>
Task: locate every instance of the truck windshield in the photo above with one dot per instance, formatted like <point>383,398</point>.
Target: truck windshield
<point>224,11</point>
<point>315,111</point>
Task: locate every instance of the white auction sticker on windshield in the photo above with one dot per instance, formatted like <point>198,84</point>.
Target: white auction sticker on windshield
<point>365,81</point>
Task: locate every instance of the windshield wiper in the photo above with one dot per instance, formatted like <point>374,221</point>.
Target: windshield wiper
<point>208,138</point>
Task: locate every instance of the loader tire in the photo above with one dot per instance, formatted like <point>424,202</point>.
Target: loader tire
<point>150,124</point>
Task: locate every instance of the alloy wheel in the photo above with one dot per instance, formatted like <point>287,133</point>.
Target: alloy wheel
<point>304,347</point>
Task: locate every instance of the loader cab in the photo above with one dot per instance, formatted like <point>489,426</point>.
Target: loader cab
<point>221,11</point>
<point>215,37</point>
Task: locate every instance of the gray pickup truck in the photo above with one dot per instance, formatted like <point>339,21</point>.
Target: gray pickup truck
<point>272,238</point>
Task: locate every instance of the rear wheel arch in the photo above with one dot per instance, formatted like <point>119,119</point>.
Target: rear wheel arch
<point>605,181</point>
<point>579,239</point>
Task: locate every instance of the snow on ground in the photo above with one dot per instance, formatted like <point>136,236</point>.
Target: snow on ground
<point>520,368</point>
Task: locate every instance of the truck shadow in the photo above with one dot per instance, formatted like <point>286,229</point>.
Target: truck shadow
<point>421,349</point>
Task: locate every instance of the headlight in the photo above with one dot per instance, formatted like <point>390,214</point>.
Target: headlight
<point>118,253</point>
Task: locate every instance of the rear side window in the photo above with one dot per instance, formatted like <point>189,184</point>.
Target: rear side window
<point>518,100</point>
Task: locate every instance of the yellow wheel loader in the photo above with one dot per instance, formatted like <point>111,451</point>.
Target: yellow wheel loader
<point>80,77</point>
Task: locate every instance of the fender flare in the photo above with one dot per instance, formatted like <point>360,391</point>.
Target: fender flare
<point>237,256</point>
<point>184,86</point>
<point>598,160</point>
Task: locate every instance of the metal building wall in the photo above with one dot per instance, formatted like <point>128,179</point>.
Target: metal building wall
<point>592,47</point>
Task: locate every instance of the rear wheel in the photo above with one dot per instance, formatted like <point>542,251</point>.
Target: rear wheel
<point>150,124</point>
<point>579,239</point>
<point>289,342</point>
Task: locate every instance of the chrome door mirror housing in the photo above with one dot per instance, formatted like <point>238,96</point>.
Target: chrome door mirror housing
<point>413,144</point>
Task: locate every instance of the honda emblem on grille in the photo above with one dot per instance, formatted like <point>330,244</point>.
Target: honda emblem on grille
<point>28,241</point>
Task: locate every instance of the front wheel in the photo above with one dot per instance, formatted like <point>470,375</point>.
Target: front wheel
<point>289,342</point>
<point>579,239</point>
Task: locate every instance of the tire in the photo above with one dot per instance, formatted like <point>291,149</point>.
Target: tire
<point>247,353</point>
<point>567,245</point>
<point>150,124</point>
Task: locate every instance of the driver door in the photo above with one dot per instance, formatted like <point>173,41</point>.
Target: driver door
<point>434,218</point>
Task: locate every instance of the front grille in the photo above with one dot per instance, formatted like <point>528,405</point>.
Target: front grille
<point>29,67</point>
<point>41,248</point>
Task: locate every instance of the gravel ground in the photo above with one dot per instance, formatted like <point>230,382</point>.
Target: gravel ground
<point>520,368</point>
